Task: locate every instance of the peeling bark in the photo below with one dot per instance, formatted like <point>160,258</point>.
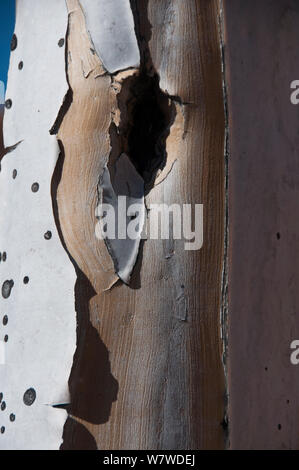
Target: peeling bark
<point>161,385</point>
<point>37,278</point>
<point>147,372</point>
<point>85,143</point>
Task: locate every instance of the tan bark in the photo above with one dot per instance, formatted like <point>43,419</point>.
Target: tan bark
<point>154,365</point>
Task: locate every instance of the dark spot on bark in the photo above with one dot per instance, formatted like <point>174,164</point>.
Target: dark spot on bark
<point>48,235</point>
<point>26,280</point>
<point>5,338</point>
<point>3,406</point>
<point>21,64</point>
<point>2,429</point>
<point>147,113</point>
<point>61,42</point>
<point>278,236</point>
<point>12,417</point>
<point>29,396</point>
<point>224,423</point>
<point>8,104</point>
<point>279,427</point>
<point>146,117</point>
<point>35,187</point>
<point>13,42</point>
<point>6,288</point>
<point>4,256</point>
<point>14,174</point>
<point>5,320</point>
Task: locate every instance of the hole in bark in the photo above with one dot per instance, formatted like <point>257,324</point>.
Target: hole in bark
<point>3,406</point>
<point>12,417</point>
<point>48,235</point>
<point>2,429</point>
<point>6,288</point>
<point>26,280</point>
<point>29,396</point>
<point>146,117</point>
<point>14,42</point>
<point>4,256</point>
<point>14,174</point>
<point>151,115</point>
<point>5,338</point>
<point>5,321</point>
<point>35,187</point>
<point>20,66</point>
<point>146,112</point>
<point>8,104</point>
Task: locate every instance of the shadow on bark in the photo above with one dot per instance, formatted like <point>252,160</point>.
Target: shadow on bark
<point>92,386</point>
<point>77,437</point>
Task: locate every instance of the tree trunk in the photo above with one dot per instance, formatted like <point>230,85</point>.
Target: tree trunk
<point>142,104</point>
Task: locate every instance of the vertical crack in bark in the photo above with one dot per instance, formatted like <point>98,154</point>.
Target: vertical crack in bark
<point>225,280</point>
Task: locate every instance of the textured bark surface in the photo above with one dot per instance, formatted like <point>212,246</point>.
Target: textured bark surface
<point>261,62</point>
<point>85,145</point>
<point>148,372</point>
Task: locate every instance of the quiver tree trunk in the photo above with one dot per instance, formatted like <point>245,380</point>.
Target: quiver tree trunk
<point>138,103</point>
